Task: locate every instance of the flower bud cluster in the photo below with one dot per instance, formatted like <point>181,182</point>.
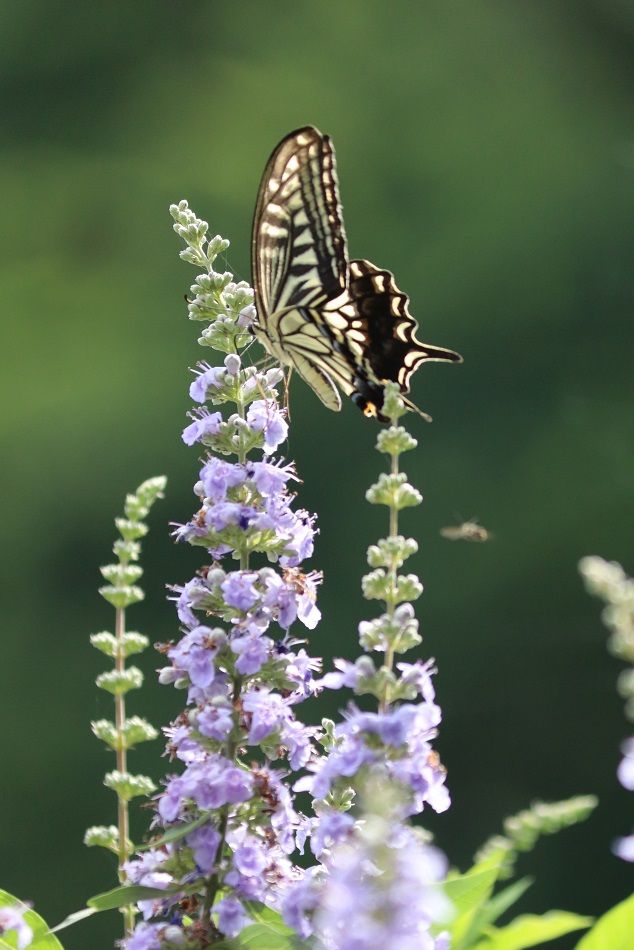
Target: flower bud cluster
<point>521,831</point>
<point>227,818</point>
<point>608,580</point>
<point>376,881</point>
<point>122,591</point>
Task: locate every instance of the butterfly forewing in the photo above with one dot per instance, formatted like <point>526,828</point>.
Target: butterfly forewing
<point>299,245</point>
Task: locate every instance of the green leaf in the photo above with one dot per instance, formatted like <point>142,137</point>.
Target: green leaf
<point>43,939</point>
<point>468,892</point>
<point>530,930</point>
<point>613,931</point>
<point>493,909</point>
<point>175,834</point>
<point>128,894</point>
<point>269,932</point>
<point>74,919</point>
<point>471,889</point>
<point>499,904</point>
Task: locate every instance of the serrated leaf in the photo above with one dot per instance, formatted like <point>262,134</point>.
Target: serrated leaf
<point>43,939</point>
<point>613,931</point>
<point>531,929</point>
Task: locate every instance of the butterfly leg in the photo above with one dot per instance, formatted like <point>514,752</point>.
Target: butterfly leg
<point>287,385</point>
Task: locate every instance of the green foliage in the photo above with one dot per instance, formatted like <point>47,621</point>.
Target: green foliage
<point>530,930</point>
<point>478,907</point>
<point>269,932</point>
<point>613,931</point>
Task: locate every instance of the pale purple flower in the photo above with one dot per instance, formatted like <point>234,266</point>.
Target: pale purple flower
<point>205,424</point>
<point>12,921</point>
<point>250,857</point>
<point>418,675</point>
<point>204,844</point>
<point>269,479</point>
<point>267,711</point>
<point>228,513</point>
<point>624,848</point>
<point>232,917</point>
<point>297,739</point>
<point>217,782</point>
<point>252,652</point>
<point>218,476</point>
<point>169,802</point>
<point>264,416</point>
<point>239,589</point>
<point>215,721</point>
<point>331,828</point>
<point>209,377</point>
<point>144,937</point>
<point>625,771</point>
<point>307,610</point>
<point>299,902</point>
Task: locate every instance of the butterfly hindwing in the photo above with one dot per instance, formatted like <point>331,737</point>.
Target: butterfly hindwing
<point>386,330</point>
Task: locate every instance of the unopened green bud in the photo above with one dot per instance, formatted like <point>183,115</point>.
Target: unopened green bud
<point>122,596</point>
<point>393,406</point>
<point>391,552</point>
<point>106,731</point>
<point>136,730</point>
<point>105,642</point>
<point>120,682</point>
<point>395,440</point>
<point>129,786</point>
<point>215,246</point>
<point>121,575</point>
<point>151,489</point>
<point>394,491</point>
<point>131,530</point>
<point>327,739</point>
<point>101,836</point>
<point>126,550</point>
<point>132,642</point>
<point>378,585</point>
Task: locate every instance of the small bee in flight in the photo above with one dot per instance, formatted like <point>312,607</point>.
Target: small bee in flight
<point>467,531</point>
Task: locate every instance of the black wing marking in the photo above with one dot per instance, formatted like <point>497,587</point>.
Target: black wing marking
<point>383,335</point>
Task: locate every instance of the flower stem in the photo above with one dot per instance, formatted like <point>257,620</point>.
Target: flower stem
<point>392,574</point>
<point>123,816</point>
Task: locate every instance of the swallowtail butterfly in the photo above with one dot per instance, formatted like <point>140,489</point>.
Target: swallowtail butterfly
<point>342,324</point>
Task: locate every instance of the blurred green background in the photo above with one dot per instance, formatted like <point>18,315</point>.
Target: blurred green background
<point>486,155</point>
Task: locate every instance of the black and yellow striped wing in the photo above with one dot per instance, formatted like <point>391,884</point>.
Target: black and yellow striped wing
<point>344,325</point>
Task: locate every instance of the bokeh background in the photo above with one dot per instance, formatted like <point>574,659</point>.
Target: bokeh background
<point>486,155</point>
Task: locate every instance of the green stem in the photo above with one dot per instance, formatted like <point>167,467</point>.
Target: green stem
<point>214,881</point>
<point>392,573</point>
<point>123,816</point>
